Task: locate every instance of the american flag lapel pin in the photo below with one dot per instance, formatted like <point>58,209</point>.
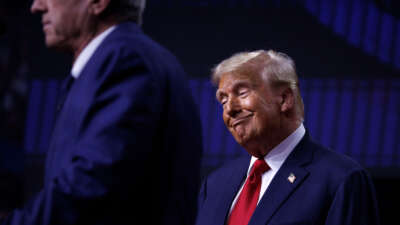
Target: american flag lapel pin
<point>291,178</point>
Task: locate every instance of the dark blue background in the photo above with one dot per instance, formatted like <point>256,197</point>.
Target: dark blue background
<point>347,54</point>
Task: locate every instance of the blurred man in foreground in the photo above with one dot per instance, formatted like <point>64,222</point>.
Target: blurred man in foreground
<point>126,144</point>
<point>288,178</point>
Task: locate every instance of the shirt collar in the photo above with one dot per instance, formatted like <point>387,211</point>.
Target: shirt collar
<point>88,51</point>
<point>277,156</point>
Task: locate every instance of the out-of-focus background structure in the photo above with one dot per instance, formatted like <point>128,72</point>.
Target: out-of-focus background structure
<point>347,54</point>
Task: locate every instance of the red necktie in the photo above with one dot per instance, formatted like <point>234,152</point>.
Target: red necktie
<point>248,198</point>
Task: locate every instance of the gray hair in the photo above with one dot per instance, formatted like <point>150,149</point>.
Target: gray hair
<point>126,10</point>
<point>276,67</point>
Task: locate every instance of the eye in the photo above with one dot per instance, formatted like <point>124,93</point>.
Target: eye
<point>243,92</point>
<point>223,101</point>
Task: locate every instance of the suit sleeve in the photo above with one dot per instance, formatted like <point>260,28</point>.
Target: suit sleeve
<point>115,137</point>
<point>354,202</point>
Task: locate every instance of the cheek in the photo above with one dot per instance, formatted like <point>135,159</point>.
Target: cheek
<point>247,102</point>
<point>58,23</point>
<point>225,118</point>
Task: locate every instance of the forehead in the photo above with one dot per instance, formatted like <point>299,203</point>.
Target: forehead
<point>233,79</point>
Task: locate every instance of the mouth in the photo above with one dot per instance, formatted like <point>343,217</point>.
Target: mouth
<point>240,120</point>
<point>45,23</point>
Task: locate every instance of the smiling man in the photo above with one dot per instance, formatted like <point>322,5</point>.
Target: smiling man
<point>287,178</point>
<point>126,144</point>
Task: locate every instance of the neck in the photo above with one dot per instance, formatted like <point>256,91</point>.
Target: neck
<point>91,34</point>
<point>269,141</point>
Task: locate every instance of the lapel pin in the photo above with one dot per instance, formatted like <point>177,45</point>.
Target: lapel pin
<point>291,178</point>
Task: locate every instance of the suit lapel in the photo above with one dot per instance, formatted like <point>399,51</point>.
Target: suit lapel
<point>281,188</point>
<point>229,188</point>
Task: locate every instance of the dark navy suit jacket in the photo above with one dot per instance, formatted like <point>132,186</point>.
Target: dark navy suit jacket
<point>126,146</point>
<point>329,189</point>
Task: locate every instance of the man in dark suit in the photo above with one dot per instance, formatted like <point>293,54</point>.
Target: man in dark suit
<point>126,144</point>
<point>288,178</point>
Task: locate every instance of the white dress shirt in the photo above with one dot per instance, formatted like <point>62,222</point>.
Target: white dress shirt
<point>275,158</point>
<point>88,51</point>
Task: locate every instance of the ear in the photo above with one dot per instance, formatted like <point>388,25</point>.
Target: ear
<point>96,7</point>
<point>287,100</point>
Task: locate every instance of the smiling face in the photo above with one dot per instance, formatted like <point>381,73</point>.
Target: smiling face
<point>251,111</point>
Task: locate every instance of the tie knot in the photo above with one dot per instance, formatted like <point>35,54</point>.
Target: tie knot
<point>259,167</point>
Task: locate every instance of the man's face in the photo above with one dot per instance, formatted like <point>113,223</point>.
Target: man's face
<point>63,21</point>
<point>251,110</point>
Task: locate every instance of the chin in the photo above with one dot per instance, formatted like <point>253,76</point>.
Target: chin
<point>56,45</point>
<point>52,40</point>
<point>243,141</point>
<point>50,43</point>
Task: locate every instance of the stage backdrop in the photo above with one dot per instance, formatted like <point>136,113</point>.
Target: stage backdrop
<point>359,118</point>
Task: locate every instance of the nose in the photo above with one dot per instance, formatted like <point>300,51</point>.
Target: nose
<point>37,6</point>
<point>232,107</point>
